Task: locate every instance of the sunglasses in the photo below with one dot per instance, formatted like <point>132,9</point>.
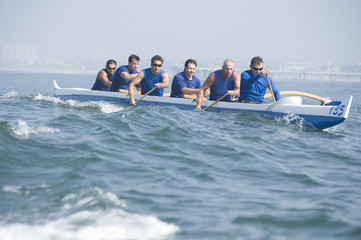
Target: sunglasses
<point>156,65</point>
<point>257,69</point>
<point>111,68</point>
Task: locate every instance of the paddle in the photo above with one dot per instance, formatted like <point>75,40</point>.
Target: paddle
<point>270,88</point>
<point>126,91</point>
<point>145,95</point>
<point>123,90</point>
<point>322,99</point>
<point>185,96</point>
<point>219,99</point>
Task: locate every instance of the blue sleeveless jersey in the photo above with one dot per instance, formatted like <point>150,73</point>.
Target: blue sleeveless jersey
<point>221,86</point>
<point>149,80</point>
<point>99,85</point>
<point>119,82</point>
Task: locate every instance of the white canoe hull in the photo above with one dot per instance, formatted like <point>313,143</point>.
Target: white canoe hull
<point>318,116</point>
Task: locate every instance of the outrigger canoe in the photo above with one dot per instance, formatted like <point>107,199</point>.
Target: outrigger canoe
<point>290,109</point>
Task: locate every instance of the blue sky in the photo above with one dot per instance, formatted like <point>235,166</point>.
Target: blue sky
<point>279,31</point>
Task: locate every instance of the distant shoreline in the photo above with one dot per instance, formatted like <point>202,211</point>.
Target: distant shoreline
<point>204,72</point>
<point>58,71</point>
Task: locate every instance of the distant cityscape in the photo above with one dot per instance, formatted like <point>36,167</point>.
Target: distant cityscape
<point>17,56</point>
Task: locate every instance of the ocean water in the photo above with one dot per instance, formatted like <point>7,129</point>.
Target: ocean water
<point>99,170</point>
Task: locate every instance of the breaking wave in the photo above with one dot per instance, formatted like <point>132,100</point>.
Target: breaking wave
<point>113,224</point>
<point>10,95</point>
<point>104,107</point>
<point>23,130</point>
<point>89,224</point>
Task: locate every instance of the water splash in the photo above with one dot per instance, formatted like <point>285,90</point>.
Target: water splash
<point>23,190</point>
<point>290,119</point>
<point>23,130</point>
<point>10,95</point>
<point>104,107</point>
<point>82,219</point>
<point>86,198</point>
<point>93,225</point>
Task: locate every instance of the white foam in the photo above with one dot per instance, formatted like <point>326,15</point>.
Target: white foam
<point>23,130</point>
<point>23,189</point>
<point>105,107</point>
<point>10,95</point>
<point>92,225</point>
<point>112,222</point>
<point>40,97</point>
<point>291,118</point>
<point>83,198</point>
<point>11,189</point>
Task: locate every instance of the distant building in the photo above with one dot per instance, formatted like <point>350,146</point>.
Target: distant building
<point>18,53</point>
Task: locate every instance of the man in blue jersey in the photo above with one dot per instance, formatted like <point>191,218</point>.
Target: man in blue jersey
<point>105,76</point>
<point>254,83</point>
<point>150,78</point>
<point>186,82</point>
<point>125,74</point>
<point>220,82</point>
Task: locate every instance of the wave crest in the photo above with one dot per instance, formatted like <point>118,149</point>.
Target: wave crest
<point>23,130</point>
<point>104,107</point>
<point>11,94</point>
<point>96,222</point>
<point>93,225</point>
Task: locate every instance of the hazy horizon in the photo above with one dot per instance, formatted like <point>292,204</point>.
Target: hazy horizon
<point>208,31</point>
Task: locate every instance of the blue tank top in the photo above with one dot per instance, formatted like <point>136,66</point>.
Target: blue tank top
<point>99,85</point>
<point>149,80</point>
<point>221,86</point>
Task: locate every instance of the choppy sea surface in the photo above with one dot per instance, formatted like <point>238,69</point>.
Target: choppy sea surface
<point>99,170</point>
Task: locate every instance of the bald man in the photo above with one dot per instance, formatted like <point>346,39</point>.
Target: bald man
<point>220,82</point>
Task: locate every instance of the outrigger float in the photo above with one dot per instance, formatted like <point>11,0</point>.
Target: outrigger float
<point>327,114</point>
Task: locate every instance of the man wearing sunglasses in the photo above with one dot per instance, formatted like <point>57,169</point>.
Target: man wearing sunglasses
<point>150,78</point>
<point>221,82</point>
<point>254,83</point>
<point>125,74</point>
<point>105,76</point>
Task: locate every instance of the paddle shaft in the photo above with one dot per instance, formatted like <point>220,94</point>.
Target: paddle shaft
<point>322,99</point>
<point>219,99</point>
<point>270,88</point>
<point>145,95</point>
